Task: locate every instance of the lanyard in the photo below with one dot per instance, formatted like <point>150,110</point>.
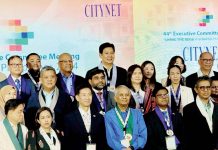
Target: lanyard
<point>124,123</point>
<point>176,95</point>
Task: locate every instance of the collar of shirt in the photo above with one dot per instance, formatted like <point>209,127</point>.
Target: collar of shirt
<point>96,91</point>
<point>48,93</point>
<point>83,113</point>
<point>14,127</point>
<point>71,75</point>
<point>140,92</point>
<point>16,78</point>
<point>203,106</point>
<point>199,73</point>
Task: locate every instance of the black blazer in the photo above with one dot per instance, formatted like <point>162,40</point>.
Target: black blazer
<point>76,136</point>
<point>121,75</point>
<point>26,90</point>
<point>197,132</point>
<point>157,133</point>
<point>78,80</point>
<point>192,79</point>
<point>63,106</point>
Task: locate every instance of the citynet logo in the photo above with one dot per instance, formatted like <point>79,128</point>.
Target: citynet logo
<point>205,17</point>
<point>19,35</point>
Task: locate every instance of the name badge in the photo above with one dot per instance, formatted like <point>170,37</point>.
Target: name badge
<point>170,142</point>
<point>91,146</point>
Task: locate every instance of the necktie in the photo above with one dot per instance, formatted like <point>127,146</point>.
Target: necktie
<point>100,99</point>
<point>165,115</point>
<point>99,96</point>
<point>17,82</point>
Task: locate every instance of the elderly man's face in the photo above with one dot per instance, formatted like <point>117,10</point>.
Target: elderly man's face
<point>65,63</point>
<point>48,80</point>
<point>203,89</point>
<point>123,96</point>
<point>206,61</point>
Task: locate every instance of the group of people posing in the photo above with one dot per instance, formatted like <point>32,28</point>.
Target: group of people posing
<point>111,108</point>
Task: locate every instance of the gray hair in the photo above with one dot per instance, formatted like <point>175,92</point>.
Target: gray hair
<point>118,89</point>
<point>46,68</point>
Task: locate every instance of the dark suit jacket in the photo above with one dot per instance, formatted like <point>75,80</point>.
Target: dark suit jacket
<point>192,79</point>
<point>76,136</point>
<point>157,133</point>
<point>26,88</point>
<point>197,132</point>
<point>63,106</point>
<point>121,75</point>
<point>78,80</point>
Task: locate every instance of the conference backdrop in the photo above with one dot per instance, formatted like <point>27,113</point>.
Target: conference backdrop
<point>140,30</point>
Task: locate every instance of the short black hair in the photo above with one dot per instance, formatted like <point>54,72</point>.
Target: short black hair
<point>203,78</point>
<point>214,78</point>
<point>12,57</point>
<point>94,72</point>
<point>12,104</point>
<point>32,54</point>
<point>82,86</point>
<point>155,91</point>
<point>105,45</point>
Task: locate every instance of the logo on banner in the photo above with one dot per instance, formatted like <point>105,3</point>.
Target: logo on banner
<point>19,35</point>
<point>205,17</point>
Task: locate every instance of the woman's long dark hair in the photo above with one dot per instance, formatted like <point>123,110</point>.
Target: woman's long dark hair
<point>130,71</point>
<point>153,78</point>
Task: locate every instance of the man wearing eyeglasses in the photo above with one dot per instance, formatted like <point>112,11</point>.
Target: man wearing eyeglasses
<point>23,86</point>
<point>206,63</point>
<point>201,119</point>
<point>67,80</point>
<point>164,127</point>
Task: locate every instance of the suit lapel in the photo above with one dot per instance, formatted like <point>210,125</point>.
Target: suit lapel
<point>80,122</point>
<point>63,85</point>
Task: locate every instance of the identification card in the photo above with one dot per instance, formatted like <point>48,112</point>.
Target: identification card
<point>91,146</point>
<point>171,142</point>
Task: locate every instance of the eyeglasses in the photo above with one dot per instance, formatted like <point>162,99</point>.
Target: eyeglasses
<point>203,88</point>
<point>207,60</point>
<point>66,61</point>
<point>162,95</point>
<point>214,87</point>
<point>15,65</point>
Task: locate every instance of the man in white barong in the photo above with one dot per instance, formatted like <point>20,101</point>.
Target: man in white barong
<point>12,132</point>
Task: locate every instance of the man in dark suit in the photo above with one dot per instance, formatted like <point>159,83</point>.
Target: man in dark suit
<point>33,63</point>
<point>50,96</point>
<point>163,125</point>
<point>23,86</point>
<point>67,80</point>
<point>114,75</point>
<point>201,119</point>
<point>101,100</point>
<point>205,62</point>
<point>84,128</point>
